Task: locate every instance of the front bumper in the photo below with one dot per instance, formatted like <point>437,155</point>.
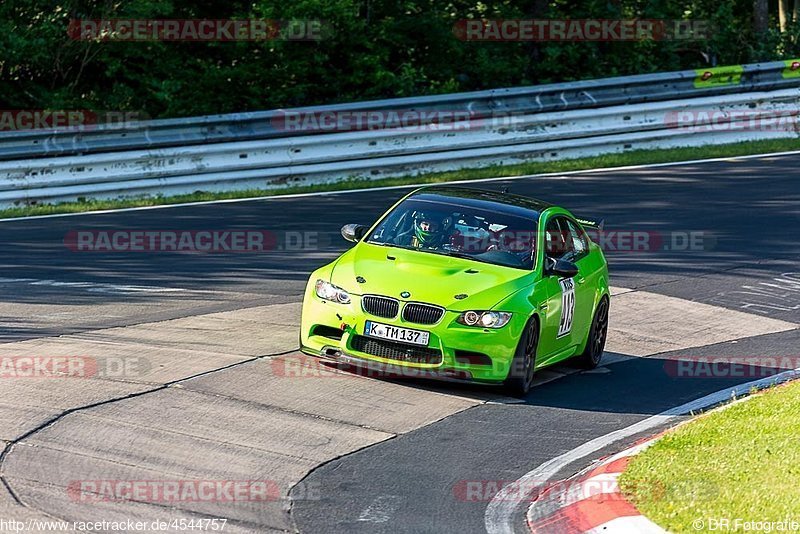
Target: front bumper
<point>323,321</point>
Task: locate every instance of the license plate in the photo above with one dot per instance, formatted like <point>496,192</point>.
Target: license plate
<point>403,335</point>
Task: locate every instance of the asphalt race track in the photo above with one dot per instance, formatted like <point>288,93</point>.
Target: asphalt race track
<point>211,390</point>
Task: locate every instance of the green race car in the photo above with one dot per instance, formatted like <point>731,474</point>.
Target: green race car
<point>462,284</point>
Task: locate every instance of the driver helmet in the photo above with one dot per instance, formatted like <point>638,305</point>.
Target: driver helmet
<point>429,227</point>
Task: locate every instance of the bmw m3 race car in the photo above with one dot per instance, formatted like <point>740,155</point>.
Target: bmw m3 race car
<point>462,284</point>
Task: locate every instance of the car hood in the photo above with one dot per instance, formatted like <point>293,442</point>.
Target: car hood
<point>432,278</point>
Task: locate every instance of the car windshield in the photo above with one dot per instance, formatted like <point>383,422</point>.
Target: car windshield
<point>453,229</point>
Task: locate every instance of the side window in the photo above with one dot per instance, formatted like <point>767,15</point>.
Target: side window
<point>580,243</point>
<point>559,242</point>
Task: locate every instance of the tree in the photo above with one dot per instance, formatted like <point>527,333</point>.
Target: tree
<point>377,49</point>
<point>760,16</point>
<point>783,15</point>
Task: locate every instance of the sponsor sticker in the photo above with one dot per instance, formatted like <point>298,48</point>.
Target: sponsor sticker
<point>718,76</point>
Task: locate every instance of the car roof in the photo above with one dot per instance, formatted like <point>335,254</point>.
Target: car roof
<point>482,198</point>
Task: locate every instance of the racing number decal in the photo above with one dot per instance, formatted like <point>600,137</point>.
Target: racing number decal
<point>567,306</point>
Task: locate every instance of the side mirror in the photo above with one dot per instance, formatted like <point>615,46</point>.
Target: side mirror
<point>353,232</point>
<point>562,268</point>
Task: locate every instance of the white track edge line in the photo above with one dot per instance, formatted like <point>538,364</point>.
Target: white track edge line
<point>637,524</point>
<point>391,187</point>
<point>499,515</point>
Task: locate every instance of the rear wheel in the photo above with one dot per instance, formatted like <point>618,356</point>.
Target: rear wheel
<point>596,343</point>
<point>520,377</point>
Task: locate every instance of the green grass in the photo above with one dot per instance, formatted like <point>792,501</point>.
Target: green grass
<point>741,462</point>
<point>636,157</point>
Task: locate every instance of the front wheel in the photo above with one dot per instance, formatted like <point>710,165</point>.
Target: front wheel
<point>596,343</point>
<point>520,376</point>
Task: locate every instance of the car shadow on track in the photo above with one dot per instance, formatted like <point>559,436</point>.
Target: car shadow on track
<point>642,385</point>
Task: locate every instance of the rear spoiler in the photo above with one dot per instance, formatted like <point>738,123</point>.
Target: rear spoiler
<point>594,225</point>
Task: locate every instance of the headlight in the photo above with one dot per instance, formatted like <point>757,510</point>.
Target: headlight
<point>326,290</point>
<point>486,319</point>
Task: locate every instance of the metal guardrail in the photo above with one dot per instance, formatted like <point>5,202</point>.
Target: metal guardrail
<point>536,99</point>
<point>506,126</point>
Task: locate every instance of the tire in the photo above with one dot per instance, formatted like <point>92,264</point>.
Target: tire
<point>596,342</point>
<point>520,376</point>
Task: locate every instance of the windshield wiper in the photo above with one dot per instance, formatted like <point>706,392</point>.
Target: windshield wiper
<point>457,254</point>
<point>390,245</point>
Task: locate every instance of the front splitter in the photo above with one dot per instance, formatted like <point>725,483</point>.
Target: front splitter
<point>375,369</point>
